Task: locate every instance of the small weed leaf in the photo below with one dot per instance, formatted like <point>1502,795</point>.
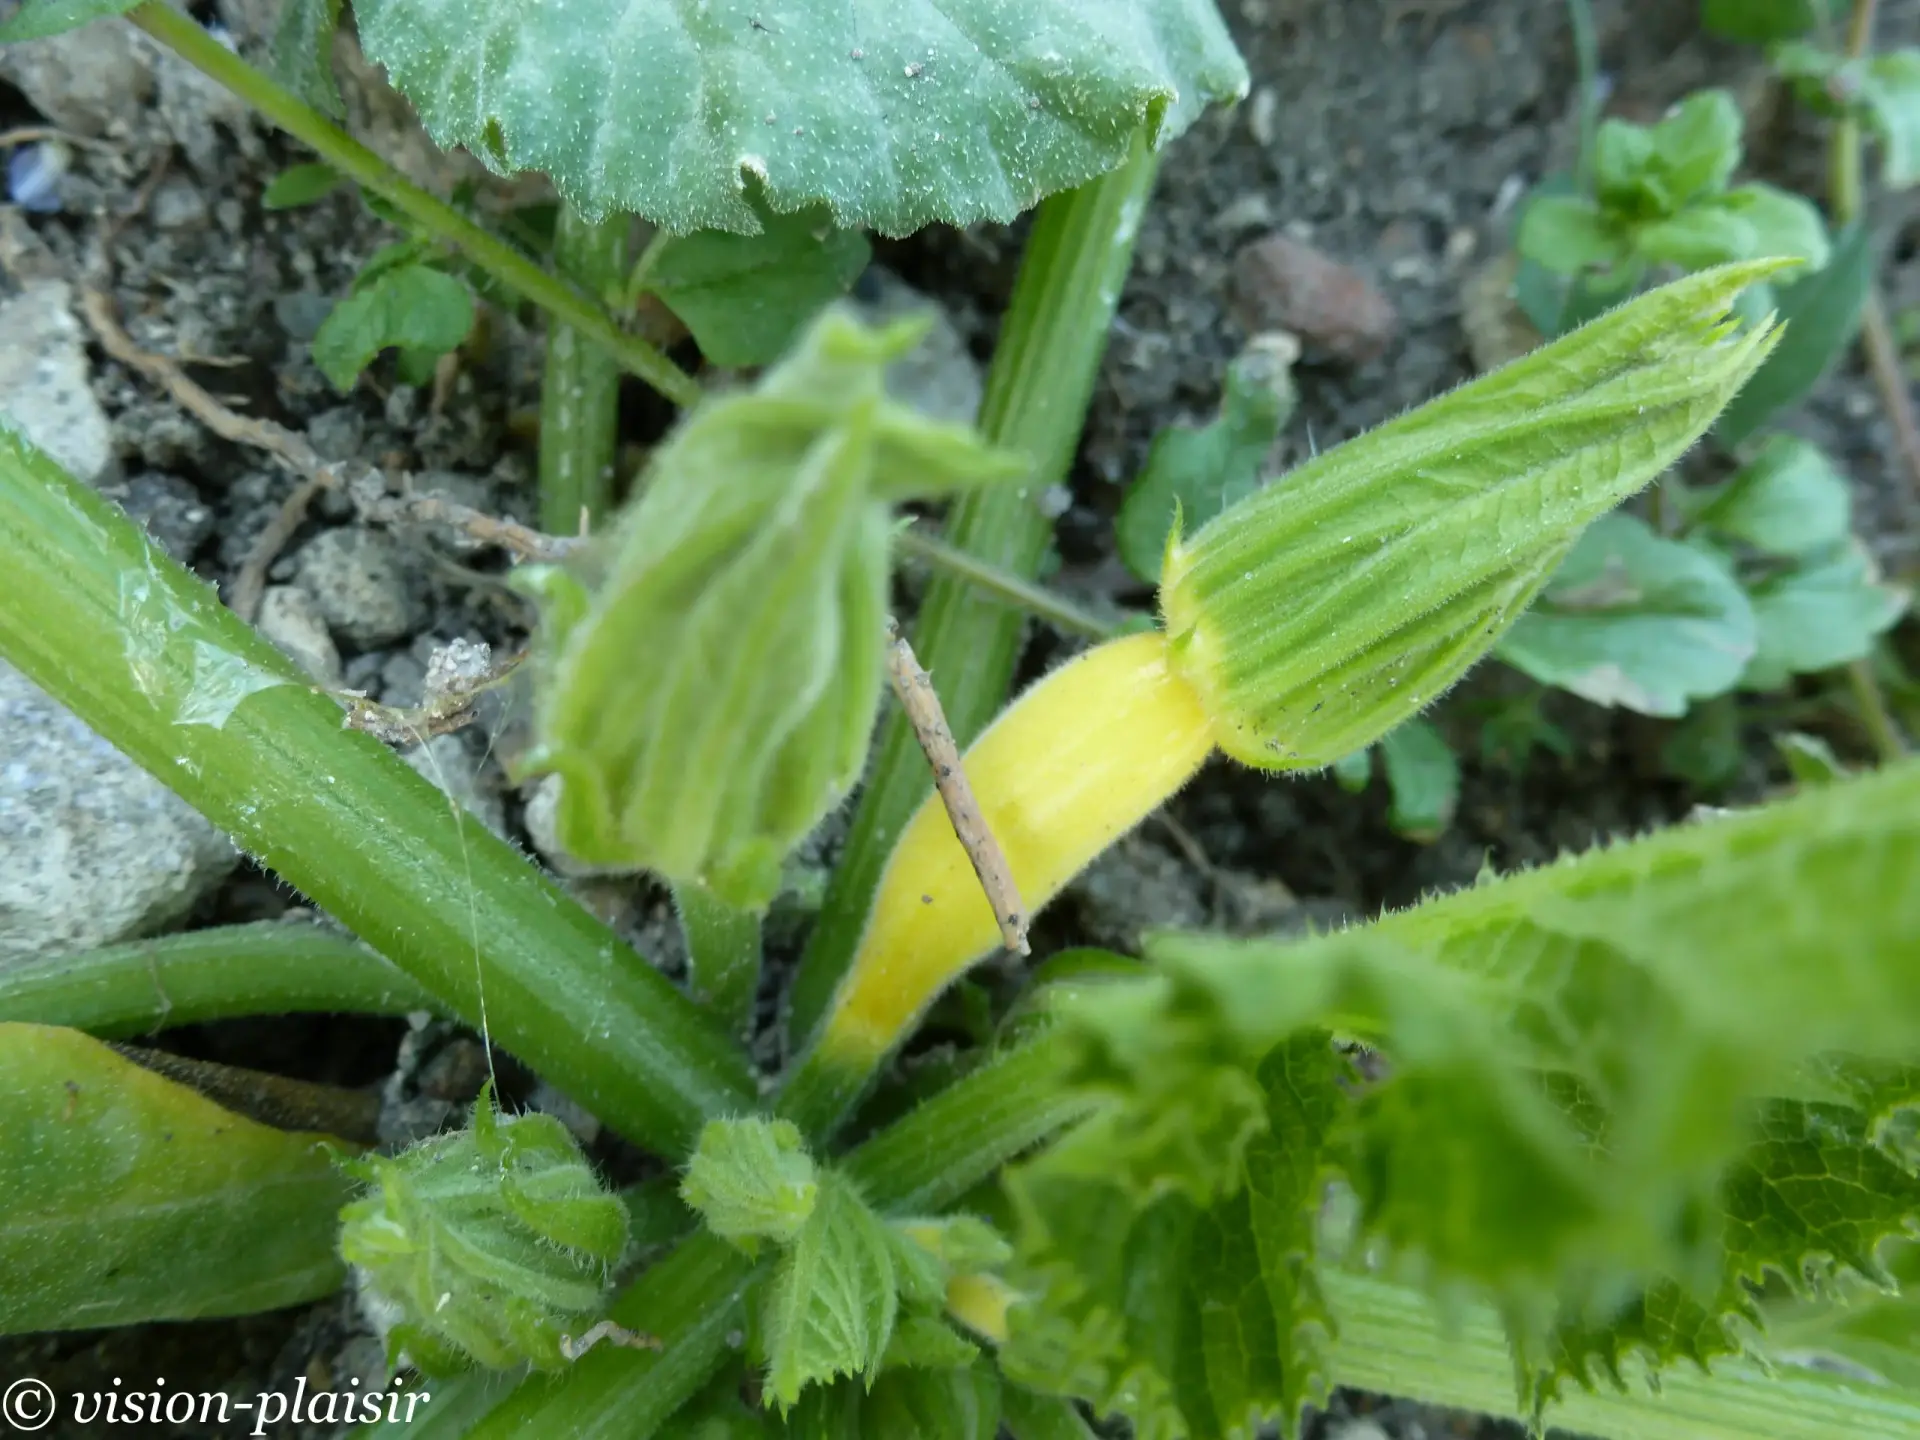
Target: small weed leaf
<point>1194,474</point>
<point>1824,613</point>
<point>418,310</point>
<point>745,297</point>
<point>1636,621</point>
<point>891,113</point>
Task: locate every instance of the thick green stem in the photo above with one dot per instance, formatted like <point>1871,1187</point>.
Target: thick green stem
<point>219,974</point>
<point>723,954</point>
<point>1036,401</point>
<point>143,651</point>
<point>1394,1340</point>
<point>359,164</point>
<point>580,388</point>
<point>692,1299</point>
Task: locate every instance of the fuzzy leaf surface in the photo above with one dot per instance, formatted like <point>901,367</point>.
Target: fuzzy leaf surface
<point>892,113</point>
<point>1318,613</point>
<point>1192,1313</point>
<point>1594,1100</point>
<point>831,1304</point>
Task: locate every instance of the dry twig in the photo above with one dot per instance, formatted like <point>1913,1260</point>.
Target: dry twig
<point>606,1330</point>
<point>457,675</point>
<point>914,687</point>
<point>290,448</point>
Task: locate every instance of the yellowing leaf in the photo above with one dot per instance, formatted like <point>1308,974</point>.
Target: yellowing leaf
<point>128,1197</point>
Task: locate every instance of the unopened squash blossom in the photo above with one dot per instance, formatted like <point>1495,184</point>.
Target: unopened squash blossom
<point>1300,625</point>
<point>708,695</point>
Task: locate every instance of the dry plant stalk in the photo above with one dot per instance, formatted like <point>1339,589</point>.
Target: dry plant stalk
<point>914,687</point>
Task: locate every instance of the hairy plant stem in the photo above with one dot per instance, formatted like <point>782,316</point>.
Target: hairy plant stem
<point>723,954</point>
<point>229,971</point>
<point>1393,1339</point>
<point>1038,388</point>
<point>580,387</point>
<point>1847,198</point>
<point>142,650</point>
<point>692,1299</point>
<point>433,215</point>
<point>1037,600</point>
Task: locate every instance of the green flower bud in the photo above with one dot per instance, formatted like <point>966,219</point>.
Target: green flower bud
<point>489,1243</point>
<point>711,674</point>
<point>1318,614</point>
<point>751,1180</point>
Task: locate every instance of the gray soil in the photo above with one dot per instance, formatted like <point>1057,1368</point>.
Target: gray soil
<point>1391,135</point>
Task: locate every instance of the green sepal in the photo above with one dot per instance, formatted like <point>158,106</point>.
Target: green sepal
<point>1316,615</point>
<point>711,668</point>
<point>491,1242</point>
<point>752,1180</point>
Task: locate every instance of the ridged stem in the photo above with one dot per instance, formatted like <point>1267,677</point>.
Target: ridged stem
<point>222,973</point>
<point>580,387</point>
<point>142,650</point>
<point>723,954</point>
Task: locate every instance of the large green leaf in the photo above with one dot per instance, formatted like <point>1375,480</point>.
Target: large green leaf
<point>1192,1317</point>
<point>1608,1096</point>
<point>892,113</point>
<point>1634,620</point>
<point>128,1197</point>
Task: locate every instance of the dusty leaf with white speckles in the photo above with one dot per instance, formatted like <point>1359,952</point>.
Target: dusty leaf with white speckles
<point>892,113</point>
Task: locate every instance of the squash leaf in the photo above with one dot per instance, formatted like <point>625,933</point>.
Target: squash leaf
<point>1613,1095</point>
<point>129,1197</point>
<point>892,113</point>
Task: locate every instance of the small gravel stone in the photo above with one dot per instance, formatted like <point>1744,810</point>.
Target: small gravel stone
<point>364,584</point>
<point>1135,887</point>
<point>293,622</point>
<point>43,379</point>
<point>1280,283</point>
<point>179,205</point>
<point>96,849</point>
<point>92,81</point>
<point>170,509</point>
<point>939,377</point>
